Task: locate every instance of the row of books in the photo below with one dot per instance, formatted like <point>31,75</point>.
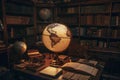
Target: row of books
<point>14,8</point>
<point>90,32</point>
<point>26,33</point>
<point>95,19</point>
<point>101,20</point>
<point>95,32</point>
<point>94,9</point>
<point>87,9</point>
<point>100,8</point>
<point>115,20</point>
<point>68,10</point>
<point>20,31</point>
<point>94,43</point>
<point>69,20</point>
<point>116,7</point>
<point>99,44</point>
<point>18,20</point>
<point>103,32</point>
<point>17,32</point>
<point>115,45</point>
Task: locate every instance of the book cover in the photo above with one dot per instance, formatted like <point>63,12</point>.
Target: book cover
<point>51,71</point>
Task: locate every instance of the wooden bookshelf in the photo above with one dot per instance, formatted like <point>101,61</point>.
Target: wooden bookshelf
<point>17,17</point>
<point>95,20</point>
<point>91,22</point>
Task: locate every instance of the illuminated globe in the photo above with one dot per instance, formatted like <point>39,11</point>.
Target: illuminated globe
<point>45,13</point>
<point>19,47</point>
<point>56,37</point>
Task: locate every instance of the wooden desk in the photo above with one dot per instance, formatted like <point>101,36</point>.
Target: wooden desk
<point>37,76</point>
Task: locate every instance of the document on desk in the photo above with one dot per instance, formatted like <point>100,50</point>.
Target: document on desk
<point>51,71</point>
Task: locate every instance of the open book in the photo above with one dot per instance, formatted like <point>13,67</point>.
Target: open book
<point>89,62</point>
<point>75,76</point>
<point>79,67</point>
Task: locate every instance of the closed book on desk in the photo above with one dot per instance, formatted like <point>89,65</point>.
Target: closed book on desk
<point>51,71</point>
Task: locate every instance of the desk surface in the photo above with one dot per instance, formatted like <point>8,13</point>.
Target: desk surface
<point>38,75</point>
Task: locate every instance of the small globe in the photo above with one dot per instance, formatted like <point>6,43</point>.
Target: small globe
<point>45,13</point>
<point>56,37</point>
<point>19,47</point>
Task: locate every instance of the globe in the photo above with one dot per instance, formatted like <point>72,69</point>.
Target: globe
<point>56,37</point>
<point>45,13</point>
<point>19,47</point>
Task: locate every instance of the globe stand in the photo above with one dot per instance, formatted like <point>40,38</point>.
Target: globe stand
<point>55,60</point>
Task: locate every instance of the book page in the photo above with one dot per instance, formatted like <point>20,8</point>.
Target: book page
<point>75,76</point>
<point>88,69</point>
<point>81,67</point>
<point>80,77</point>
<point>67,75</point>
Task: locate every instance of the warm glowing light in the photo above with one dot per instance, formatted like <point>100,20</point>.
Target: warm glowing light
<point>56,37</point>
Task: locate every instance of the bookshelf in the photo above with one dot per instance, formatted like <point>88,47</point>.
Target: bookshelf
<point>18,21</point>
<point>94,23</point>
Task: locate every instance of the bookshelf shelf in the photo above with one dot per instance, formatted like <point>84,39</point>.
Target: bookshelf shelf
<point>19,14</point>
<point>20,25</point>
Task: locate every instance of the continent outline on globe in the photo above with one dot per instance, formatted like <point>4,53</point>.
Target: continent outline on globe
<point>56,34</point>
